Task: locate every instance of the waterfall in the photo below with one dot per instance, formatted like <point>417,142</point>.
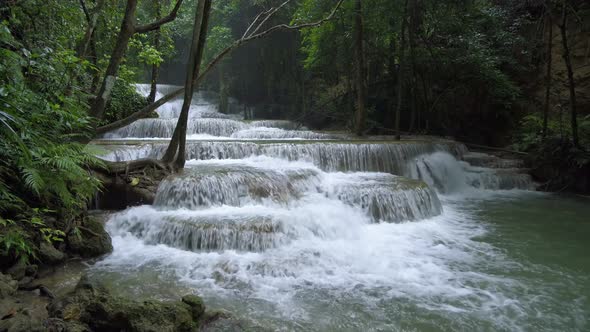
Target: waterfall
<point>329,156</point>
<point>384,197</point>
<point>381,196</point>
<point>444,172</point>
<point>281,124</point>
<point>201,230</point>
<point>278,133</point>
<point>164,128</point>
<point>268,216</point>
<point>235,184</point>
<point>259,185</point>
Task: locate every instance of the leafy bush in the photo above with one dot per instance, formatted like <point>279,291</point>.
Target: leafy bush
<point>124,101</point>
<point>554,158</point>
<point>44,170</point>
<point>530,133</point>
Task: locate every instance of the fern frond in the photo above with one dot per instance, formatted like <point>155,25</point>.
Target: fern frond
<point>33,179</point>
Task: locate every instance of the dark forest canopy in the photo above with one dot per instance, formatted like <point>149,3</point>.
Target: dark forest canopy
<point>503,72</point>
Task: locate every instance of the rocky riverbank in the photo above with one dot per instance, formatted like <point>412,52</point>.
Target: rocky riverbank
<point>56,295</point>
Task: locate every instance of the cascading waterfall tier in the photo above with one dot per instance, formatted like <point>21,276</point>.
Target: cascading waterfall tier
<point>329,156</point>
<point>384,197</point>
<point>442,171</point>
<point>490,161</point>
<point>201,230</point>
<point>281,124</point>
<point>262,180</point>
<point>278,133</point>
<point>214,184</point>
<point>164,128</point>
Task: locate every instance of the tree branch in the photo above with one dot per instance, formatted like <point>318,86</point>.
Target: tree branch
<point>166,19</point>
<point>296,26</point>
<point>255,20</point>
<point>85,10</point>
<point>273,11</point>
<point>150,108</point>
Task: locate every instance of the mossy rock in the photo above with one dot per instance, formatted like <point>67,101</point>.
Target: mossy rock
<point>196,304</point>
<point>49,254</point>
<point>92,305</point>
<point>92,240</point>
<point>8,286</point>
<point>22,322</point>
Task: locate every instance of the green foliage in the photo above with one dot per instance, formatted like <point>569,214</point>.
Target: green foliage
<point>147,53</point>
<point>530,133</point>
<point>457,54</point>
<point>124,101</point>
<point>44,170</point>
<point>15,242</point>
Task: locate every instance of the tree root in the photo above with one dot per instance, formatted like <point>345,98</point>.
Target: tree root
<point>134,165</point>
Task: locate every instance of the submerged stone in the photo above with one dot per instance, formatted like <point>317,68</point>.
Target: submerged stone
<point>197,305</point>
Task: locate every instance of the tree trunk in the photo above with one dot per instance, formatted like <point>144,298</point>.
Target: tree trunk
<point>155,67</point>
<point>361,86</point>
<point>94,59</point>
<point>175,152</point>
<point>411,42</point>
<point>400,78</point>
<point>92,19</point>
<point>127,30</point>
<point>223,90</point>
<point>548,77</point>
<point>392,68</point>
<point>570,76</point>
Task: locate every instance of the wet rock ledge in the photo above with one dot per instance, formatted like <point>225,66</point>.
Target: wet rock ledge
<point>91,307</point>
<point>26,305</point>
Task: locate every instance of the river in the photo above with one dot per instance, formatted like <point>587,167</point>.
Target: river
<point>297,230</point>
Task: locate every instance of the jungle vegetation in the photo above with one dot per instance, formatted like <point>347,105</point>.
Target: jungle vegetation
<point>506,73</point>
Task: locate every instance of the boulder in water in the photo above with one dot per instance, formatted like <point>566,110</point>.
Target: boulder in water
<point>91,241</point>
<point>49,254</point>
<point>196,304</point>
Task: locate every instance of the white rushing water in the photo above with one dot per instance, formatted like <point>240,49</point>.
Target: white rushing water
<point>319,235</point>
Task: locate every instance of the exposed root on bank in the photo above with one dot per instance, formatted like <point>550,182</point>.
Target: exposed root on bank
<point>117,167</point>
<point>134,182</point>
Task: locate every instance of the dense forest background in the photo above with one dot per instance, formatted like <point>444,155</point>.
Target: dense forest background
<point>503,73</point>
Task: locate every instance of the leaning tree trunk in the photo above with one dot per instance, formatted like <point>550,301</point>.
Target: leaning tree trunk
<point>400,77</point>
<point>361,86</point>
<point>92,20</point>
<point>548,77</point>
<point>175,154</point>
<point>570,76</point>
<point>155,66</point>
<point>127,30</point>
